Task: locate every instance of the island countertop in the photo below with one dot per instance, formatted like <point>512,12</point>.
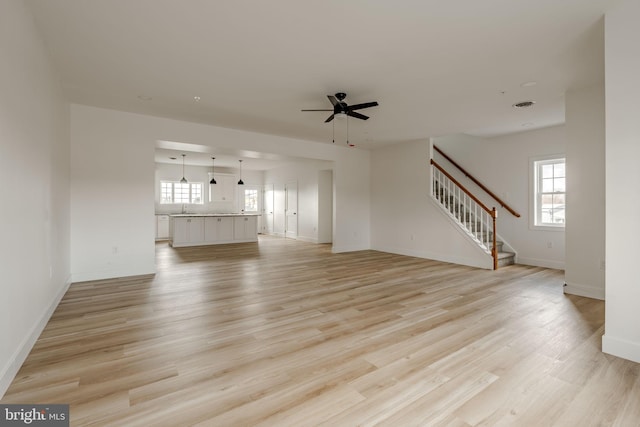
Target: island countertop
<point>212,214</point>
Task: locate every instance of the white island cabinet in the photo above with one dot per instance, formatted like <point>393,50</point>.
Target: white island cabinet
<point>218,229</point>
<point>212,229</point>
<point>245,228</point>
<point>187,232</point>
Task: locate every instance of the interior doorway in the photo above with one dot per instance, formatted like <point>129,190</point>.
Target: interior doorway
<point>291,210</point>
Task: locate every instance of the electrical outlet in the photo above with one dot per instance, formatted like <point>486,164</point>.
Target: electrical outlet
<point>114,250</point>
<point>549,245</point>
<point>413,237</point>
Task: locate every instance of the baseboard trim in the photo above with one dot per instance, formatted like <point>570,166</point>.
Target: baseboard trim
<point>536,262</point>
<point>88,276</point>
<point>10,371</point>
<point>307,239</point>
<point>348,248</point>
<point>621,348</point>
<point>584,291</point>
<point>486,264</point>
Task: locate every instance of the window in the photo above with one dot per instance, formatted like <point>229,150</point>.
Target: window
<point>178,193</point>
<point>250,201</point>
<point>549,192</point>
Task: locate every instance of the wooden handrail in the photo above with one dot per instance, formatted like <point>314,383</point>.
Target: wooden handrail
<point>478,183</point>
<point>492,212</point>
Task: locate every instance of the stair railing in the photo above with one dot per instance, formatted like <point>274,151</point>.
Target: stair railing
<point>471,214</point>
<point>478,183</point>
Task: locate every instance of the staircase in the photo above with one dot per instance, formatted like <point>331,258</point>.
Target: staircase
<point>475,227</point>
<point>504,258</point>
<point>470,214</point>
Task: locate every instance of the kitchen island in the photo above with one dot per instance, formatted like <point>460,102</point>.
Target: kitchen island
<point>212,229</point>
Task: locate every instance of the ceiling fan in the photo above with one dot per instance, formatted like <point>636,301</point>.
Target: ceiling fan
<point>341,109</point>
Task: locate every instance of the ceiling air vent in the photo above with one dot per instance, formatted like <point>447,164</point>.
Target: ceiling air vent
<point>524,104</point>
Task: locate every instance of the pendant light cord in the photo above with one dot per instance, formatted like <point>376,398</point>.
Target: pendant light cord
<point>241,182</point>
<point>183,180</point>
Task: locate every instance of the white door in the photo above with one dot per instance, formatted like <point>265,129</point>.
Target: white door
<point>267,210</point>
<point>291,210</point>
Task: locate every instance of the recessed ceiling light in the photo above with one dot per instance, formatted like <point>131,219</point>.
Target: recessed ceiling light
<point>196,98</point>
<point>145,97</point>
<point>529,84</point>
<point>524,104</point>
<point>527,125</point>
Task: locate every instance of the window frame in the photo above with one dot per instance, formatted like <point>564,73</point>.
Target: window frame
<point>535,183</point>
<point>192,187</point>
<point>243,192</point>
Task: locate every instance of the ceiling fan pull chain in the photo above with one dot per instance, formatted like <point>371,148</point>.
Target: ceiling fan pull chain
<point>334,131</point>
<point>347,118</point>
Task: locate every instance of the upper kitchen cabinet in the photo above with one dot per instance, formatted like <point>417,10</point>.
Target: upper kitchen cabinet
<point>224,190</point>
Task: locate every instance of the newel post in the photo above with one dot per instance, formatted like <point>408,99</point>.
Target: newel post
<point>494,249</point>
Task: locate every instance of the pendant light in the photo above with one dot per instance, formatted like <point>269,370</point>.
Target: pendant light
<point>183,180</point>
<point>241,182</point>
<point>213,179</point>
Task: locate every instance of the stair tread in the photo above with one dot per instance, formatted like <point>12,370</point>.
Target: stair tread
<point>505,254</point>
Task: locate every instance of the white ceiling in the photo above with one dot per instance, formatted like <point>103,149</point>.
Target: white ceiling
<point>435,66</point>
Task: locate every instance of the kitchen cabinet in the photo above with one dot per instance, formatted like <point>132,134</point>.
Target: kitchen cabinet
<point>162,227</point>
<point>218,229</point>
<point>187,231</point>
<point>245,228</point>
<point>212,229</point>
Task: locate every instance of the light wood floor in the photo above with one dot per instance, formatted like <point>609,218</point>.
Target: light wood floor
<point>284,333</point>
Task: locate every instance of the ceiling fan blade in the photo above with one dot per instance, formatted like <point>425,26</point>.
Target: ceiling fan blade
<point>361,106</point>
<point>333,100</point>
<point>357,115</point>
<point>319,110</point>
<point>329,119</point>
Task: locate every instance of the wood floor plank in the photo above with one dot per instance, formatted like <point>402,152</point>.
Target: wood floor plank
<point>283,333</point>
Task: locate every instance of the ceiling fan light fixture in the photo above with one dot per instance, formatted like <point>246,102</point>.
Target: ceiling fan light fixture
<point>341,109</point>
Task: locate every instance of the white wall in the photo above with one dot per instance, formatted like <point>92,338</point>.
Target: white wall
<point>34,170</point>
<point>306,175</point>
<point>113,178</point>
<point>502,165</point>
<point>112,197</point>
<point>622,153</point>
<point>404,219</point>
<point>325,206</point>
<point>352,202</point>
<point>585,219</point>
